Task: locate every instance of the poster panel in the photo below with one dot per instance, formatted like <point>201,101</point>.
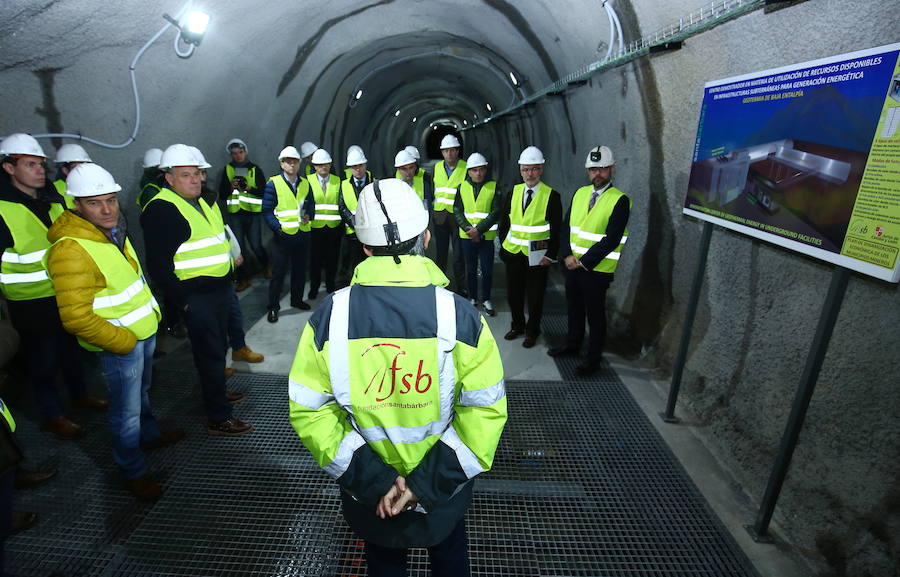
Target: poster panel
<point>807,157</point>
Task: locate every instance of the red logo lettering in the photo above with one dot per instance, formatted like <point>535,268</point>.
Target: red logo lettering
<point>398,380</point>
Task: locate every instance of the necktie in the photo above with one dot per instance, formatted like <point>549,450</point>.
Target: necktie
<point>528,194</point>
<point>322,181</point>
<point>594,196</point>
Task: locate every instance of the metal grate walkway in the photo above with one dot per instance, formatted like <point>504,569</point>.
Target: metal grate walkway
<point>582,485</point>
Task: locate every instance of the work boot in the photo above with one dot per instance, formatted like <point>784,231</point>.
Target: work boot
<point>228,372</point>
<point>229,428</point>
<point>165,439</point>
<point>272,317</point>
<point>62,428</point>
<point>22,520</point>
<point>489,308</point>
<point>564,351</point>
<point>234,396</point>
<point>28,479</point>
<point>245,354</point>
<point>241,285</point>
<point>90,402</point>
<point>144,488</point>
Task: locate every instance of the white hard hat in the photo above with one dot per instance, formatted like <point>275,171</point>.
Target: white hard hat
<point>406,216</point>
<point>531,155</point>
<point>178,155</point>
<point>355,155</point>
<point>231,144</point>
<point>72,153</point>
<point>288,152</point>
<point>413,151</point>
<point>200,158</point>
<point>321,156</point>
<point>599,157</point>
<point>449,141</point>
<point>152,157</point>
<point>90,180</point>
<point>308,148</point>
<point>475,160</point>
<point>21,143</point>
<point>403,158</point>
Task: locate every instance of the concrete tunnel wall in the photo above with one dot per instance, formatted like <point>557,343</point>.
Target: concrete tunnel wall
<point>279,75</point>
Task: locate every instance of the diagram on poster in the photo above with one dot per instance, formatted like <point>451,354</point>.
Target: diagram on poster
<point>807,157</point>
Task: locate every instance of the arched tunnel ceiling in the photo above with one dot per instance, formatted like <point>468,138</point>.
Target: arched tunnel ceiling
<point>285,73</point>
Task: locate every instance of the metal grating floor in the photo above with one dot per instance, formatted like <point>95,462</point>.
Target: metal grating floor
<point>582,485</point>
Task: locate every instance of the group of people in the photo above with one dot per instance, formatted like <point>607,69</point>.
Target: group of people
<point>396,387</point>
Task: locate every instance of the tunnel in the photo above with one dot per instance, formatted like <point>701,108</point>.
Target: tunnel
<point>119,79</point>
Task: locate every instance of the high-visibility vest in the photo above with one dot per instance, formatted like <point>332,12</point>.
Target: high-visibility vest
<point>349,174</point>
<point>60,186</point>
<point>243,200</point>
<point>147,193</point>
<point>589,227</point>
<point>23,274</point>
<point>400,391</point>
<point>350,200</point>
<point>8,416</point>
<point>207,251</point>
<point>530,225</point>
<point>289,204</point>
<point>418,182</point>
<point>126,301</point>
<point>327,213</point>
<point>477,209</point>
<point>445,186</point>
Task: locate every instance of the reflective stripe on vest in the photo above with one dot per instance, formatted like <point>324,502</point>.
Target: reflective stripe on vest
<point>587,228</point>
<point>8,416</point>
<point>530,225</point>
<point>477,209</point>
<point>23,275</point>
<point>445,186</point>
<point>350,200</point>
<point>126,301</point>
<point>327,213</point>
<point>207,251</point>
<point>287,209</point>
<point>243,200</point>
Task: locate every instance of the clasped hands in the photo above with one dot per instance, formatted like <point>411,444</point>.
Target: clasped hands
<point>399,498</point>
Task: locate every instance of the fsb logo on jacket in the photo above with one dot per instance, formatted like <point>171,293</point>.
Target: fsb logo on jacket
<point>392,378</point>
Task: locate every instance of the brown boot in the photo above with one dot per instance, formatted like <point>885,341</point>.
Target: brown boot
<point>30,478</point>
<point>63,428</point>
<point>242,285</point>
<point>245,354</point>
<point>144,488</point>
<point>228,372</point>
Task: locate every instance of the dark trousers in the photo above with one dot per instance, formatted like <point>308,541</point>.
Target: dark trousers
<point>446,236</point>
<point>45,356</point>
<point>351,255</point>
<point>6,495</point>
<point>236,333</point>
<point>247,228</point>
<point>287,256</point>
<point>477,254</point>
<point>586,298</point>
<point>325,247</point>
<point>449,558</point>
<point>523,281</point>
<point>207,324</point>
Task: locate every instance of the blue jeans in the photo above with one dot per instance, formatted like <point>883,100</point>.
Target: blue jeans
<point>131,423</point>
<point>247,228</point>
<point>479,253</point>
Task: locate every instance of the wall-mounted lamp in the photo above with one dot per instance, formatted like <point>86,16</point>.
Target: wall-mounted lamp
<point>191,29</point>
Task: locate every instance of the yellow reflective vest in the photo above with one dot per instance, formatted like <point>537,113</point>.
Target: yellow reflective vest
<point>445,186</point>
<point>529,225</point>
<point>327,214</point>
<point>289,205</point>
<point>207,251</point>
<point>23,275</point>
<point>478,209</point>
<point>60,186</point>
<point>243,200</point>
<point>589,227</point>
<point>418,182</point>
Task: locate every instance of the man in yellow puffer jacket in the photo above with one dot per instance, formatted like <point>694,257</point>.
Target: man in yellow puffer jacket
<point>105,302</point>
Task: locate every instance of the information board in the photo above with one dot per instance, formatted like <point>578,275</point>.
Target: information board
<point>807,157</point>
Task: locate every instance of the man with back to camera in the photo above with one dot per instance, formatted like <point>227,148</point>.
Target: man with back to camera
<point>403,449</point>
<point>594,233</point>
<point>104,302</point>
<point>448,175</point>
<point>477,213</point>
<point>189,255</point>
<point>27,209</point>
<point>351,249</point>
<point>288,207</point>
<point>326,233</point>
<point>242,185</point>
<point>529,229</point>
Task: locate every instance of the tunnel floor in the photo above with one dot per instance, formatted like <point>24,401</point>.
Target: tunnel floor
<point>582,485</point>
